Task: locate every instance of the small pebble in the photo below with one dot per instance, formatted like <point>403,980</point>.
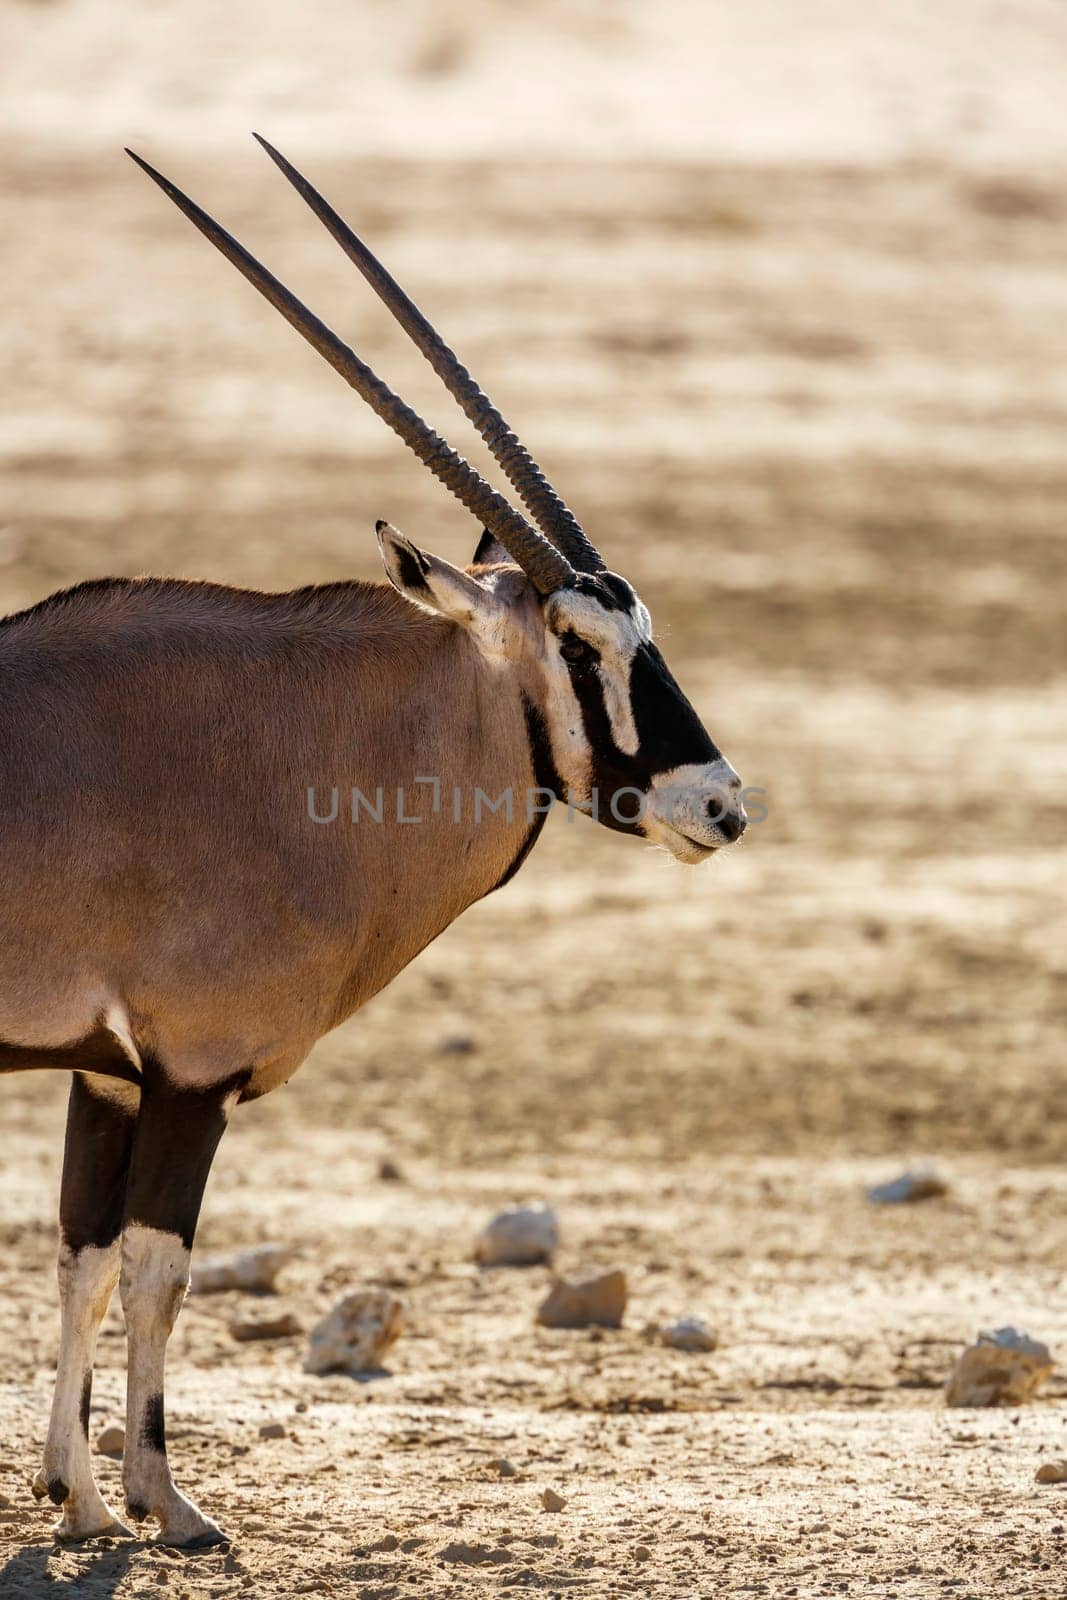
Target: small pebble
<point>1052,1472</point>
<point>356,1334</point>
<point>521,1237</point>
<point>111,1441</point>
<point>283,1326</point>
<point>504,1467</point>
<point>922,1184</point>
<point>689,1333</point>
<point>457,1044</point>
<point>642,1553</point>
<point>600,1300</point>
<point>272,1430</point>
<point>253,1270</point>
<point>1005,1367</point>
<point>552,1501</point>
<point>389,1172</point>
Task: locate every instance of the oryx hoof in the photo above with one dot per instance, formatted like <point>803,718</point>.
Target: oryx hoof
<point>73,1530</point>
<point>206,1537</point>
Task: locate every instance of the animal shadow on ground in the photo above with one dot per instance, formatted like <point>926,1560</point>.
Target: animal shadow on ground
<point>100,1573</point>
<point>27,1572</point>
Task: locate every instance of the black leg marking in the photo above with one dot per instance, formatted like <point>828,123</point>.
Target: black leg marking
<point>178,1131</point>
<point>86,1402</point>
<point>57,1491</point>
<point>98,1052</point>
<point>153,1431</point>
<point>96,1160</point>
<point>137,1510</point>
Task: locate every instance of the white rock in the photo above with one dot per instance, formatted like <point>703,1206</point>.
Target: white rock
<point>518,1238</point>
<point>1002,1368</point>
<point>689,1333</point>
<point>356,1334</point>
<point>251,1269</point>
<point>921,1184</point>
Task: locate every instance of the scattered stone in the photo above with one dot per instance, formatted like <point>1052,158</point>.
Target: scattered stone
<point>642,1553</point>
<point>1003,1368</point>
<point>552,1501</point>
<point>1052,1472</point>
<point>386,1544</point>
<point>283,1326</point>
<point>254,1270</point>
<point>111,1441</point>
<point>5,1501</point>
<point>504,1468</point>
<point>600,1300</point>
<point>457,1044</point>
<point>356,1334</point>
<point>689,1333</point>
<point>272,1430</point>
<point>389,1172</point>
<point>921,1184</point>
<point>518,1238</point>
<point>473,1555</point>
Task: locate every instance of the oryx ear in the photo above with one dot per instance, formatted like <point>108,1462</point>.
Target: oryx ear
<point>490,552</point>
<point>436,585</point>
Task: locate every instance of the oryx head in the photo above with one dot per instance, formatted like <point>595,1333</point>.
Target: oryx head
<point>625,743</point>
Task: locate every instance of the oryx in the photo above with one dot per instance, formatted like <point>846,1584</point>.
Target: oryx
<point>180,924</point>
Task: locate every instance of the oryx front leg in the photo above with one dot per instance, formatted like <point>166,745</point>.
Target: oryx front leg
<point>100,1120</point>
<point>177,1134</point>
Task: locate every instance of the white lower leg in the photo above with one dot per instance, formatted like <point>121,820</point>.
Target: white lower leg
<point>86,1281</point>
<point>155,1272</point>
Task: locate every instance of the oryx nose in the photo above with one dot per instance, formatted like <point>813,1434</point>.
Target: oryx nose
<point>730,823</point>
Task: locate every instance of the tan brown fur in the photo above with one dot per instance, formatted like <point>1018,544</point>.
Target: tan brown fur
<point>159,738</point>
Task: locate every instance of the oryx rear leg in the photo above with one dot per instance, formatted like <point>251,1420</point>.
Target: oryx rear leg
<point>175,1141</point>
<point>100,1123</point>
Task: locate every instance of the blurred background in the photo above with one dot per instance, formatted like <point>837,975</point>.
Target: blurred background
<point>777,294</point>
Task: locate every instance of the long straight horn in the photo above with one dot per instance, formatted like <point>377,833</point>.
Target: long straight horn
<point>544,565</point>
<point>556,521</point>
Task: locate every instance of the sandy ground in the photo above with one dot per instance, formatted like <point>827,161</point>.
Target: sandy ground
<point>808,391</point>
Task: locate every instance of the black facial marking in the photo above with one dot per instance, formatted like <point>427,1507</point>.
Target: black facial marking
<point>178,1131</point>
<point>57,1491</point>
<point>669,733</point>
<point>611,591</point>
<point>86,1402</point>
<point>153,1432</point>
<point>96,1160</point>
<point>545,777</point>
<point>412,566</point>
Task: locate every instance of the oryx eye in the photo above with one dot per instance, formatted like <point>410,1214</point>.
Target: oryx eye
<point>574,650</point>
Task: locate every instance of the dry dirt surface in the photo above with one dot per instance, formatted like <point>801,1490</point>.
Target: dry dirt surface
<point>802,371</point>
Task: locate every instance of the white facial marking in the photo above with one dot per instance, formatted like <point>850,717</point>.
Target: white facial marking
<point>684,806</point>
<point>616,637</point>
